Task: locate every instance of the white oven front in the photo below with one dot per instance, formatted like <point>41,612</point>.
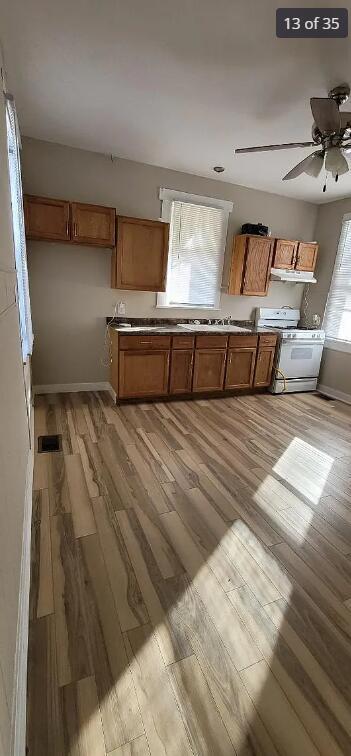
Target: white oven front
<point>300,359</point>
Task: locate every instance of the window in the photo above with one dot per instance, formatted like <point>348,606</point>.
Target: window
<point>198,230</point>
<point>19,238</point>
<point>337,318</point>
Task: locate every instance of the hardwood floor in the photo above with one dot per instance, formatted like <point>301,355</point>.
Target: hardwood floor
<point>191,578</point>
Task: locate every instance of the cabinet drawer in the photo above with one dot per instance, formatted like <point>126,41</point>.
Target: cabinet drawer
<point>268,339</point>
<point>212,341</point>
<point>243,340</point>
<point>183,342</point>
<point>144,342</point>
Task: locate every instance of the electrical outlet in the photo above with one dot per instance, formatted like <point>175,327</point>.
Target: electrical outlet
<point>121,308</point>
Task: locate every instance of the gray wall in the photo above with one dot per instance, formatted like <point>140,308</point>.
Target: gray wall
<point>70,287</point>
<point>336,366</point>
<point>14,447</point>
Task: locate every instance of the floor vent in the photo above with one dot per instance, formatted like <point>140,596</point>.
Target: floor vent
<point>49,443</point>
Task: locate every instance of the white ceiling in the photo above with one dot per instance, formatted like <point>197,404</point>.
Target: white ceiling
<point>177,84</point>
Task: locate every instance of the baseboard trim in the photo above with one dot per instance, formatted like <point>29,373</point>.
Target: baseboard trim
<point>62,388</point>
<point>18,718</point>
<point>334,393</point>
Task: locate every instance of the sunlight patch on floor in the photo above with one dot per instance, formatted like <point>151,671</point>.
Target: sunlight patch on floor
<point>305,468</point>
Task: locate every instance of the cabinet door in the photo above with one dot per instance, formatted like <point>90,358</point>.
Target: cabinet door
<point>142,251</point>
<point>306,256</point>
<point>93,224</point>
<point>209,367</point>
<point>284,254</point>
<point>257,267</point>
<point>143,374</point>
<point>181,371</point>
<point>240,368</point>
<point>264,366</point>
<point>46,219</point>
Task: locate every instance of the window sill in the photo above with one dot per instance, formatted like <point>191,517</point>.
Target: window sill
<point>186,307</point>
<point>338,346</point>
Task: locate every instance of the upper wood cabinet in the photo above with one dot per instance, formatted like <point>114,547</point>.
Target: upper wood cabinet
<point>285,254</point>
<point>251,265</point>
<point>306,256</point>
<point>57,220</point>
<point>295,255</point>
<point>141,255</point>
<point>93,224</point>
<point>46,218</point>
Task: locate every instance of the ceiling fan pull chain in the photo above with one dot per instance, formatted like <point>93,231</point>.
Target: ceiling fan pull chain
<point>336,178</point>
<point>325,185</point>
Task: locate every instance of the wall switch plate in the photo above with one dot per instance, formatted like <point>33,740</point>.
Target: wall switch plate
<point>121,308</point>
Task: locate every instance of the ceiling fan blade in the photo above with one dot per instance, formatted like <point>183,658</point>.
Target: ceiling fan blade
<point>326,114</point>
<point>267,147</point>
<point>308,163</point>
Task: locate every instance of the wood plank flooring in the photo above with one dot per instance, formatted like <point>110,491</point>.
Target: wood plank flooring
<point>191,578</point>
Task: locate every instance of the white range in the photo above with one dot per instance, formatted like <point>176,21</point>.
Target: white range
<point>299,350</point>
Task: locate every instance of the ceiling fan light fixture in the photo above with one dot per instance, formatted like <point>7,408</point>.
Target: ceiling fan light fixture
<point>335,162</point>
<point>316,164</point>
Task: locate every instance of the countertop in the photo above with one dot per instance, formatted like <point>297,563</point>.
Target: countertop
<point>144,330</point>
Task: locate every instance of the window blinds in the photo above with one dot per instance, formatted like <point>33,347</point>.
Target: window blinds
<point>19,237</point>
<point>337,319</point>
<point>196,250</point>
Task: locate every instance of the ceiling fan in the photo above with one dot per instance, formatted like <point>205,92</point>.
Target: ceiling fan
<point>331,133</point>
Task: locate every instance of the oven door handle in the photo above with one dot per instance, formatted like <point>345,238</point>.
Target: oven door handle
<point>301,342</point>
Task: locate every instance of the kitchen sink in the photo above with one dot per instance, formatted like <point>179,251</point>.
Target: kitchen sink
<point>213,327</point>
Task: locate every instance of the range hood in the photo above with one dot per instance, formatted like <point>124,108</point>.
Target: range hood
<point>292,276</point>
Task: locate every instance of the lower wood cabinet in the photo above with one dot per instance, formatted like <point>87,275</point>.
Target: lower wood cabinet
<point>143,373</point>
<point>181,373</point>
<point>154,365</point>
<point>264,366</point>
<point>240,368</point>
<point>209,366</point>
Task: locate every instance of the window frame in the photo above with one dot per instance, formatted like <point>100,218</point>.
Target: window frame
<point>337,345</point>
<point>13,144</point>
<point>167,197</point>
